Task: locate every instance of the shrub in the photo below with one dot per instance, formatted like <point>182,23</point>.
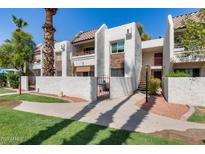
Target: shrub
<point>3,80</point>
<point>153,85</point>
<point>13,79</point>
<point>177,74</point>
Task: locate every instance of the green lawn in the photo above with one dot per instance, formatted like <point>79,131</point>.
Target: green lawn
<point>18,127</point>
<point>4,90</point>
<point>198,115</point>
<point>32,98</point>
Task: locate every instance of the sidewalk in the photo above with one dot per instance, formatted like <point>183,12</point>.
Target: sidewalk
<point>121,113</point>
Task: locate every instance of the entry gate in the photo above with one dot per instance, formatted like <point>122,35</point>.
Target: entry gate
<point>103,87</point>
<point>31,83</point>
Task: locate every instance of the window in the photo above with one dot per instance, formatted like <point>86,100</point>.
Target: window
<point>119,72</point>
<point>158,59</point>
<point>59,73</point>
<point>117,46</point>
<point>89,50</point>
<point>192,72</point>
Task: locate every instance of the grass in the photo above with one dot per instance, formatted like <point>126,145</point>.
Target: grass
<point>17,127</point>
<point>4,90</point>
<point>32,98</point>
<point>198,115</point>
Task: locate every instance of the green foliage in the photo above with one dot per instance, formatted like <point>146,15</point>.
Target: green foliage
<point>35,129</point>
<point>177,74</point>
<point>153,85</point>
<point>193,38</point>
<point>144,36</point>
<point>198,115</point>
<point>32,98</point>
<point>19,22</point>
<point>17,52</point>
<point>13,79</point>
<point>3,79</point>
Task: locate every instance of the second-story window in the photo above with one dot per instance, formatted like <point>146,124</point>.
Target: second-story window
<point>118,46</point>
<point>158,59</point>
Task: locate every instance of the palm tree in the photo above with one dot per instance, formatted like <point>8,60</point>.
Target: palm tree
<point>144,36</point>
<point>19,22</point>
<point>48,49</point>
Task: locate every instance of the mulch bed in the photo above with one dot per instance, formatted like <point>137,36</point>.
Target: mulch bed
<point>158,105</point>
<point>192,136</point>
<point>9,104</point>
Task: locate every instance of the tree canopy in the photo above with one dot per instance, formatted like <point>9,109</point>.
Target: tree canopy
<point>19,22</point>
<point>144,36</point>
<point>193,37</point>
<point>17,51</point>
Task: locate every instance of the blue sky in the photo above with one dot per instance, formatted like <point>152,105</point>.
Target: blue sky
<point>68,22</point>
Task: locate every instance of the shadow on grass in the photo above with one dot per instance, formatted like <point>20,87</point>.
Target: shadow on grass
<point>89,133</point>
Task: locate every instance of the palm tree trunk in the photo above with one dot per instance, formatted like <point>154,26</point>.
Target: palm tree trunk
<point>48,49</point>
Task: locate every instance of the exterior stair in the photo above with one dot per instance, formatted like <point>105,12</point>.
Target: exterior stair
<point>142,86</point>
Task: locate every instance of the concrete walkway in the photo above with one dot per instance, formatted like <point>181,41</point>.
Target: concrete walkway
<point>119,113</point>
<point>6,94</point>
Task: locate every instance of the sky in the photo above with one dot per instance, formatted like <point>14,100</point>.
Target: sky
<point>69,22</point>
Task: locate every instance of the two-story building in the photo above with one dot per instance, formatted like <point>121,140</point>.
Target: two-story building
<point>111,52</point>
<point>175,56</point>
<point>118,52</point>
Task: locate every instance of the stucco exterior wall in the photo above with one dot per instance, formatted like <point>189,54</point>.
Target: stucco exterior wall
<point>121,86</point>
<point>185,90</point>
<point>24,83</point>
<point>100,51</point>
<point>84,87</point>
<point>168,48</point>
<point>132,49</point>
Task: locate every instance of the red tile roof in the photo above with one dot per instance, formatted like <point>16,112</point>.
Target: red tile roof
<point>179,21</point>
<point>84,36</point>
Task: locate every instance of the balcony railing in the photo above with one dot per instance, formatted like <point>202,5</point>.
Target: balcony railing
<point>178,45</point>
<point>83,53</point>
<point>192,57</point>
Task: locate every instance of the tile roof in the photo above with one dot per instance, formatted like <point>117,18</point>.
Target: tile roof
<point>38,47</point>
<point>84,36</point>
<point>179,21</point>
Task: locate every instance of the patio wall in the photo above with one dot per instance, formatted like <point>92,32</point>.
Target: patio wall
<point>185,90</point>
<point>121,86</point>
<point>83,87</point>
<point>24,83</point>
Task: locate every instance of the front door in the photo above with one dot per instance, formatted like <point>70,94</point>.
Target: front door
<point>158,74</point>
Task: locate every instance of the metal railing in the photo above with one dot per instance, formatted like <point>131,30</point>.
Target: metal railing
<point>83,53</point>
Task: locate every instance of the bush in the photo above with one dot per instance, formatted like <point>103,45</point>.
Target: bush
<point>153,85</point>
<point>13,80</point>
<point>177,74</point>
<point>3,80</point>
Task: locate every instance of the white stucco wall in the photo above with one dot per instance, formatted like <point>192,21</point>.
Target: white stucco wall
<point>100,51</point>
<point>121,86</point>
<point>185,90</point>
<point>168,46</point>
<point>132,49</point>
<point>153,43</point>
<point>83,87</point>
<point>66,48</point>
<point>85,60</point>
<point>24,83</point>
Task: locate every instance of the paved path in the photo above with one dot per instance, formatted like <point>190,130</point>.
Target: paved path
<point>6,94</point>
<point>117,113</point>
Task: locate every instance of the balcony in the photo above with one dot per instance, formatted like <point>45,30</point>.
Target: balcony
<point>83,52</point>
<point>184,57</point>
